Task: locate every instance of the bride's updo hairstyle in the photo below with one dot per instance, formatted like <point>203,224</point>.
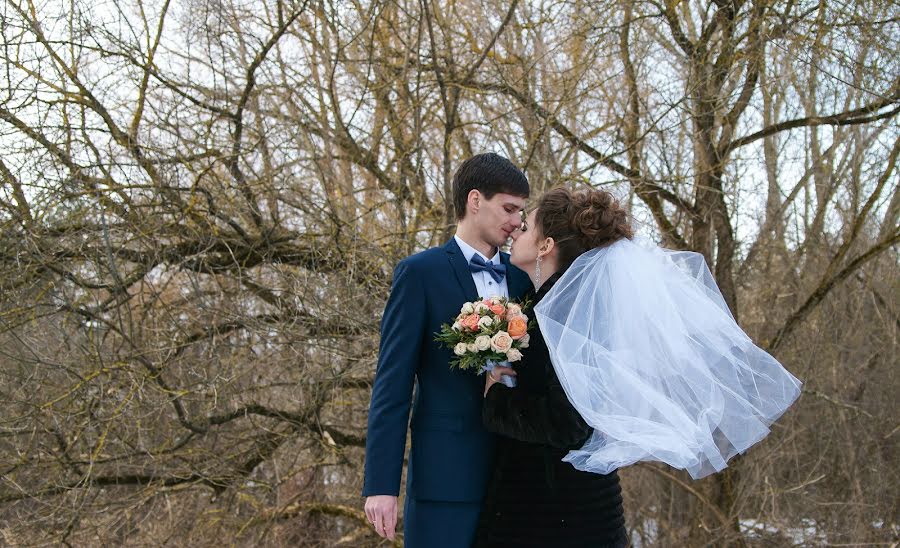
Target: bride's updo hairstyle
<point>580,221</point>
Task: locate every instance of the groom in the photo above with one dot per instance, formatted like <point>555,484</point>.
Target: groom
<point>451,453</point>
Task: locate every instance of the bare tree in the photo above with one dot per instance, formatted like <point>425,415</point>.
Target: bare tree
<point>202,201</point>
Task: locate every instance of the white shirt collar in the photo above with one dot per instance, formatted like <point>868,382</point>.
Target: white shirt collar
<point>469,252</point>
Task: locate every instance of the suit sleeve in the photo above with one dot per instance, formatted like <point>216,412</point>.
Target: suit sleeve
<point>402,326</point>
<point>546,418</point>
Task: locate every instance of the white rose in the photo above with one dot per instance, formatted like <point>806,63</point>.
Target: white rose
<point>456,326</point>
<point>495,300</point>
<point>523,342</point>
<point>482,343</point>
<point>481,309</point>
<point>513,310</point>
<point>513,355</point>
<point>485,321</point>
<point>501,342</point>
<point>467,309</point>
<point>460,349</point>
<point>471,347</point>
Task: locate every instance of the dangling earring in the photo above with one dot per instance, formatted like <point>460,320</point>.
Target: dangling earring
<point>537,272</point>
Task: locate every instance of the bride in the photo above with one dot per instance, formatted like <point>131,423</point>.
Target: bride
<point>637,359</point>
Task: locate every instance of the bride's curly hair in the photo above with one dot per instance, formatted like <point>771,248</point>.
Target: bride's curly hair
<point>580,221</point>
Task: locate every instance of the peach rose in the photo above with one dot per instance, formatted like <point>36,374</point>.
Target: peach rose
<point>498,309</point>
<point>501,342</point>
<point>517,327</point>
<point>470,322</point>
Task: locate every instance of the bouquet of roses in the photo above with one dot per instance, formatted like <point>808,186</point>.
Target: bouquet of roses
<point>487,333</point>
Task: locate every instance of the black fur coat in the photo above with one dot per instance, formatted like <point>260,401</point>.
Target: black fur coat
<point>535,499</point>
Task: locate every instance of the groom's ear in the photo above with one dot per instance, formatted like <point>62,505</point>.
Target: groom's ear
<point>473,200</point>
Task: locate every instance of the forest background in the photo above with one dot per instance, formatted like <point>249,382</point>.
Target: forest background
<point>202,202</point>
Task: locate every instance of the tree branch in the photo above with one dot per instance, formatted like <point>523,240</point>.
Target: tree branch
<point>826,286</point>
<point>850,117</point>
<point>652,188</point>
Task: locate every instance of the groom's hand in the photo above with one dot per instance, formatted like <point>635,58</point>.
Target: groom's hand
<point>382,513</point>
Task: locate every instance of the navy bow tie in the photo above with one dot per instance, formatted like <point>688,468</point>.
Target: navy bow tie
<point>497,271</point>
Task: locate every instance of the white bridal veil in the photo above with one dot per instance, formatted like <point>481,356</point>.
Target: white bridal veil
<point>650,356</point>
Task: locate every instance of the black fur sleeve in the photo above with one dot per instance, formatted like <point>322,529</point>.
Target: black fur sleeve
<point>545,418</point>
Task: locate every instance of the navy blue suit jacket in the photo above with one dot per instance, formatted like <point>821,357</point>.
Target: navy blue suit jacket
<point>451,453</point>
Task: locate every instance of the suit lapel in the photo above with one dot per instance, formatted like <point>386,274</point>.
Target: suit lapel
<point>461,270</point>
<point>514,282</point>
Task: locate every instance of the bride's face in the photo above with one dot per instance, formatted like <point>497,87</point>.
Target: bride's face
<point>524,249</point>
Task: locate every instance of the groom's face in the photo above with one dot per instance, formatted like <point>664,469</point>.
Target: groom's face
<point>499,217</point>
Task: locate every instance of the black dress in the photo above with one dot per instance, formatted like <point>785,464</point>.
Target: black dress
<point>535,499</point>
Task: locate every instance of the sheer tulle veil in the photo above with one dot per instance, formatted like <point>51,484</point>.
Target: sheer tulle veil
<point>649,354</point>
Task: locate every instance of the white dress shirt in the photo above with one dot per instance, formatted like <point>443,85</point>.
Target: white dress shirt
<point>484,283</point>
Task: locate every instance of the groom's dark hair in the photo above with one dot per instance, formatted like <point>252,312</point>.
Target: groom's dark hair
<point>489,174</point>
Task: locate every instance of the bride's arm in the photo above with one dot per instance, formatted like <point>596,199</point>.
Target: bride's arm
<point>535,418</point>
